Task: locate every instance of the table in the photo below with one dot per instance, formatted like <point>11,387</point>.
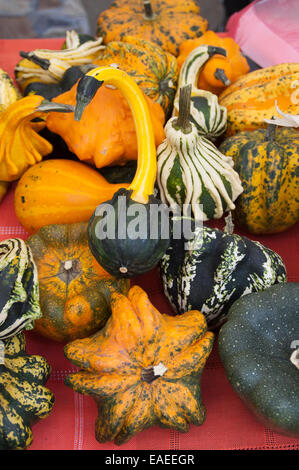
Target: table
<point>70,426</point>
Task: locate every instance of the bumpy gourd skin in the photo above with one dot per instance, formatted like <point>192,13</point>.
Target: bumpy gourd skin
<point>116,360</point>
<point>255,346</point>
<point>251,99</point>
<point>117,141</point>
<point>23,397</point>
<point>173,22</point>
<point>74,288</point>
<point>269,172</point>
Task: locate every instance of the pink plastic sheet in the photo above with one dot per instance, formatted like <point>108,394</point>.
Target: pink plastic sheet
<point>267,31</point>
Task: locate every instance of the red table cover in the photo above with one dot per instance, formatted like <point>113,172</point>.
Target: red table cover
<point>70,426</point>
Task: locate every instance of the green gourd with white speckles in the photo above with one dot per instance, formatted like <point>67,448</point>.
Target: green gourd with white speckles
<point>210,271</point>
<point>259,348</point>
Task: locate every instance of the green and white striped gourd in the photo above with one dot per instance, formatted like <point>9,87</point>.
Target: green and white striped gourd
<point>24,399</point>
<point>212,270</point>
<point>208,116</point>
<point>19,288</point>
<point>194,178</point>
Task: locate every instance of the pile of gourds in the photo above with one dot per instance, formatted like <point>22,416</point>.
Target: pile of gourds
<point>157,115</point>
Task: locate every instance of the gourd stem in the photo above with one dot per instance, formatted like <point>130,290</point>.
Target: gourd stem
<point>270,132</point>
<point>148,375</point>
<point>148,10</point>
<point>43,63</point>
<point>295,358</point>
<point>143,183</point>
<point>182,122</point>
<point>221,75</point>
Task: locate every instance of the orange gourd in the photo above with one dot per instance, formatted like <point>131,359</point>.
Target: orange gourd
<point>60,192</point>
<point>20,144</point>
<point>143,368</point>
<point>106,134</point>
<point>74,289</point>
<point>164,22</point>
<point>255,97</point>
<point>219,71</point>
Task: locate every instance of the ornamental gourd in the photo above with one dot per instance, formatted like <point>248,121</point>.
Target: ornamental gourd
<point>48,66</point>
<point>51,90</point>
<point>258,347</point>
<point>23,395</point>
<point>166,23</point>
<point>205,112</point>
<point>193,176</point>
<point>153,69</point>
<point>19,287</point>
<point>219,71</point>
<point>253,97</point>
<point>8,92</point>
<point>124,236</point>
<point>21,146</point>
<point>74,288</point>
<point>144,375</point>
<point>267,161</point>
<point>117,141</point>
<point>211,269</point>
<point>60,191</point>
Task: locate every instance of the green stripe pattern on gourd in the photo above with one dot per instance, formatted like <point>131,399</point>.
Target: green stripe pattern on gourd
<point>210,271</point>
<point>23,397</point>
<point>194,176</point>
<point>19,299</point>
<point>208,116</point>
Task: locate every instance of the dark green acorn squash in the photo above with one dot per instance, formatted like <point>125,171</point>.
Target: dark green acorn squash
<point>259,348</point>
<point>214,270</point>
<point>129,249</point>
<point>23,397</point>
<point>119,173</point>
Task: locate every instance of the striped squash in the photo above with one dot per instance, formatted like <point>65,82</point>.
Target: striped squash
<point>253,97</point>
<point>23,397</point>
<point>206,113</point>
<point>8,92</point>
<point>152,68</point>
<point>192,173</point>
<point>267,161</point>
<point>19,287</point>
<point>211,271</point>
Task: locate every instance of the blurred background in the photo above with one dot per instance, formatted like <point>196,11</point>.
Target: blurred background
<point>51,18</point>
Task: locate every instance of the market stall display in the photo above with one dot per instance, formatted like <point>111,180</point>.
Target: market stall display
<point>105,334</point>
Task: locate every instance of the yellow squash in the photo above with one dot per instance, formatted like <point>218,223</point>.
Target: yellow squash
<point>253,97</point>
